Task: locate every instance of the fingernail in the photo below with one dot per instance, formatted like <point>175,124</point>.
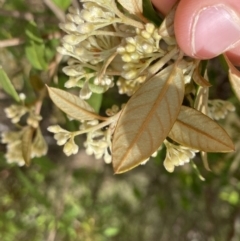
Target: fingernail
<point>215,29</point>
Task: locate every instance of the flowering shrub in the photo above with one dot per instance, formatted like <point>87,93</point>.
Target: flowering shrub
<point>111,44</point>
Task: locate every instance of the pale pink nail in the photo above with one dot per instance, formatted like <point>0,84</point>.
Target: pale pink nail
<point>215,30</point>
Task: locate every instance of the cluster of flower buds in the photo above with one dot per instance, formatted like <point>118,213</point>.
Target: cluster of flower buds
<point>15,139</point>
<point>64,138</point>
<point>177,155</point>
<point>218,109</point>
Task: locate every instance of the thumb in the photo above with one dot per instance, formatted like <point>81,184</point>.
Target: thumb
<point>207,28</point>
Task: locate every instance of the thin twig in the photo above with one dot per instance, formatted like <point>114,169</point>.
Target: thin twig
<point>56,10</point>
<point>16,14</point>
<point>11,42</point>
<point>18,41</point>
<point>27,16</point>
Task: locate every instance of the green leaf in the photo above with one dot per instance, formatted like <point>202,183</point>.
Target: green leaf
<point>7,85</point>
<point>63,4</point>
<point>95,101</point>
<point>111,231</point>
<point>199,79</point>
<point>147,119</point>
<point>197,131</point>
<point>35,55</point>
<point>50,49</point>
<point>72,105</point>
<point>32,32</point>
<point>150,13</point>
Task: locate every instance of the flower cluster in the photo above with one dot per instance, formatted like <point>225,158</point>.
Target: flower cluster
<point>98,142</point>
<point>177,155</point>
<point>218,109</point>
<point>64,137</point>
<point>88,47</point>
<point>14,139</point>
<point>14,142</point>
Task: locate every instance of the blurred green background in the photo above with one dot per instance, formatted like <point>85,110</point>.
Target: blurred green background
<point>79,198</point>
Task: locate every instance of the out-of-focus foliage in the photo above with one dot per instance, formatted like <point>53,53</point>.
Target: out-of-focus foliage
<point>79,199</point>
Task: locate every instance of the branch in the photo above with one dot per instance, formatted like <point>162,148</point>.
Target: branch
<point>56,10</point>
<point>11,42</point>
<point>18,41</point>
<point>27,16</point>
<point>16,14</point>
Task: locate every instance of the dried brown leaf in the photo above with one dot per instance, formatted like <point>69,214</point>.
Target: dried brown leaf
<point>234,77</point>
<point>147,119</point>
<point>133,6</point>
<point>200,80</point>
<point>27,144</point>
<point>197,131</point>
<point>72,105</point>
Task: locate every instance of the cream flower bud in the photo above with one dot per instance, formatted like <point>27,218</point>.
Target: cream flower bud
<point>131,74</point>
<point>85,92</point>
<point>150,28</point>
<point>62,138</point>
<point>126,58</point>
<point>135,56</point>
<point>74,39</point>
<point>68,27</point>
<point>85,28</point>
<point>168,165</point>
<point>56,129</point>
<point>10,136</point>
<point>130,48</point>
<point>147,48</point>
<point>145,34</point>
<point>107,157</point>
<point>72,82</point>
<point>22,96</point>
<point>33,120</point>
<point>70,148</point>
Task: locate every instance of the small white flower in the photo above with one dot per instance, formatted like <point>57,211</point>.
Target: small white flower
<point>70,147</point>
<point>177,155</point>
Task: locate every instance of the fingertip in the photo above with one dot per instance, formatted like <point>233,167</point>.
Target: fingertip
<point>206,28</point>
<point>164,6</point>
<point>234,55</point>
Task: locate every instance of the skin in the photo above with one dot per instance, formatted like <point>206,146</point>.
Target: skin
<point>207,28</point>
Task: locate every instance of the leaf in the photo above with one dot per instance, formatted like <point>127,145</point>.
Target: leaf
<point>95,101</point>
<point>150,13</point>
<point>27,144</point>
<point>35,80</point>
<point>198,79</point>
<point>133,6</point>
<point>166,29</point>
<point>197,131</point>
<point>32,32</point>
<point>7,85</point>
<point>63,4</point>
<point>147,119</point>
<point>35,55</point>
<point>72,105</point>
<point>234,77</point>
